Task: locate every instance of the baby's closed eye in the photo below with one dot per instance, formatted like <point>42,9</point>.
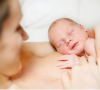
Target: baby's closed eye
<point>60,43</point>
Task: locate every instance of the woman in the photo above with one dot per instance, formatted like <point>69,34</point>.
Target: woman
<point>11,37</point>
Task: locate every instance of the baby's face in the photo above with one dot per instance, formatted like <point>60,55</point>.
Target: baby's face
<point>68,38</point>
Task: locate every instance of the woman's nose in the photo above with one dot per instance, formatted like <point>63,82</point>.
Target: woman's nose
<point>24,36</point>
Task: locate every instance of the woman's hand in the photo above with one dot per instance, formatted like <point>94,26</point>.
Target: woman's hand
<point>95,33</point>
<point>83,76</point>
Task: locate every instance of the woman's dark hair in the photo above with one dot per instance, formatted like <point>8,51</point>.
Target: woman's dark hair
<point>4,13</point>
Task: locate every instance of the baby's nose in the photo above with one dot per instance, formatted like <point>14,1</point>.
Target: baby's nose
<point>68,41</point>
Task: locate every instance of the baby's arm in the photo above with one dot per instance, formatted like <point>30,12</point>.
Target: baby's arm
<point>68,61</point>
<point>89,47</point>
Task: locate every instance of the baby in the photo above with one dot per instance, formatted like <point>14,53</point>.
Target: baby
<point>70,39</point>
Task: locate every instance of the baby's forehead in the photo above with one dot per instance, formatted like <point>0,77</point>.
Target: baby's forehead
<point>59,27</point>
<point>59,23</point>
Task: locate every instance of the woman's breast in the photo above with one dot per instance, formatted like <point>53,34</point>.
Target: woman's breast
<point>41,73</point>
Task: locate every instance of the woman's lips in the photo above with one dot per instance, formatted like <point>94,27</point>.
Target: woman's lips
<point>74,45</point>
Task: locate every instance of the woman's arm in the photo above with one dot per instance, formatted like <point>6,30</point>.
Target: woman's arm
<point>39,49</point>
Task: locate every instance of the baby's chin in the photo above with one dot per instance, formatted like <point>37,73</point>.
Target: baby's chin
<point>81,53</point>
<point>64,53</point>
<point>76,52</point>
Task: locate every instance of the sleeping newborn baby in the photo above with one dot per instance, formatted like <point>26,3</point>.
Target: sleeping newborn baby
<point>70,39</point>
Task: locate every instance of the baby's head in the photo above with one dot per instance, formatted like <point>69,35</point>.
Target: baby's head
<point>67,36</point>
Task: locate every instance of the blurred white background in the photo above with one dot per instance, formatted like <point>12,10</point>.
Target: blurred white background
<point>39,14</point>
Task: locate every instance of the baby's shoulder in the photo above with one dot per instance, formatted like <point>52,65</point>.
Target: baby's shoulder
<point>89,47</point>
<point>88,42</point>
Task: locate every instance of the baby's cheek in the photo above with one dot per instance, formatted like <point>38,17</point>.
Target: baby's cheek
<point>83,36</point>
<point>63,51</point>
<point>78,50</point>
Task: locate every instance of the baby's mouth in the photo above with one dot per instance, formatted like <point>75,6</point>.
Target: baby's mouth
<point>74,45</point>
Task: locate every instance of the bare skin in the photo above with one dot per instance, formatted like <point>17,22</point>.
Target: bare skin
<point>83,76</point>
<point>31,71</point>
<point>94,33</point>
<point>70,40</point>
<point>38,73</point>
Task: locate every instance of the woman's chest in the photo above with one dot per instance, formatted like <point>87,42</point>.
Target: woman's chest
<point>40,76</point>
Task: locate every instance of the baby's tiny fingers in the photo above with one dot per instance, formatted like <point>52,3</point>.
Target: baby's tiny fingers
<point>59,64</point>
<point>65,66</point>
<point>63,63</point>
<point>92,60</point>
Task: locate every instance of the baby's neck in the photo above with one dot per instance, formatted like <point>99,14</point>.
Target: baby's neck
<point>81,54</point>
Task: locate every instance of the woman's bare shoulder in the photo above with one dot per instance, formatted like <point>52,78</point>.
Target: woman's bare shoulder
<point>39,49</point>
<point>53,56</point>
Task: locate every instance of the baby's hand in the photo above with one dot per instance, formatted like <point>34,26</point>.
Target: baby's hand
<point>68,61</point>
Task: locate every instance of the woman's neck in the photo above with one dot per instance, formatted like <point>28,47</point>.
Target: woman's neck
<point>4,82</point>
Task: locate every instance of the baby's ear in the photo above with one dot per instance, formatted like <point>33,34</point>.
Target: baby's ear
<point>82,27</point>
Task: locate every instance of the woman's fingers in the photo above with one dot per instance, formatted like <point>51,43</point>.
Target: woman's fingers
<point>98,61</point>
<point>83,60</point>
<point>92,60</point>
